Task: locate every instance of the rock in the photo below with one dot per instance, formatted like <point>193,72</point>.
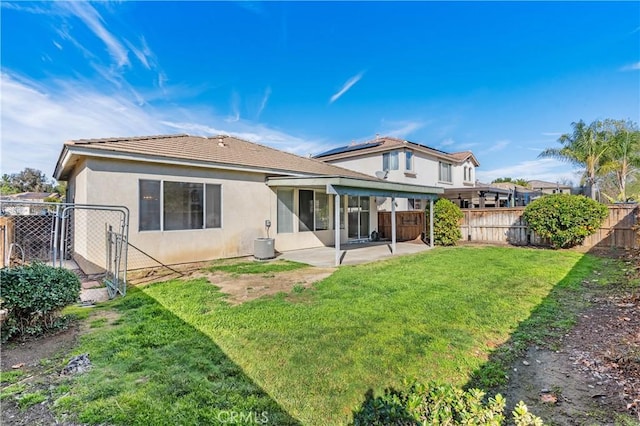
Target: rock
<point>77,365</point>
<point>525,362</point>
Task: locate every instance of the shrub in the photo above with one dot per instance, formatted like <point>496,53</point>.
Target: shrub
<point>565,220</point>
<point>446,222</point>
<point>33,296</point>
<point>438,404</point>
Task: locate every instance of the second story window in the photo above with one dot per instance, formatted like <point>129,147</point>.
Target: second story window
<point>390,160</point>
<point>408,162</point>
<point>444,174</point>
<point>467,174</point>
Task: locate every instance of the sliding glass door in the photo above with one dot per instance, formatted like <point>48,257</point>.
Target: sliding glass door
<point>358,216</point>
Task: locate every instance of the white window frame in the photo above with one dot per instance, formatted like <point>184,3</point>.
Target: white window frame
<point>315,215</point>
<point>408,161</point>
<point>391,159</point>
<point>162,206</point>
<point>446,166</point>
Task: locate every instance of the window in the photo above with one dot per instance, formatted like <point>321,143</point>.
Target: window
<point>313,211</point>
<point>390,160</point>
<point>149,211</point>
<point>415,204</point>
<point>444,174</point>
<point>321,211</point>
<point>285,211</point>
<point>305,210</point>
<point>183,205</point>
<point>467,174</point>
<point>408,160</point>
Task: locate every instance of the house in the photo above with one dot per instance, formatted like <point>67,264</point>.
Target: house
<point>399,160</point>
<point>549,187</point>
<point>27,203</point>
<point>195,198</point>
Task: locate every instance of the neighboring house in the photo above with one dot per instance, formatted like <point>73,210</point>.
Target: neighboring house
<point>549,187</point>
<point>197,198</point>
<point>399,160</point>
<point>26,203</point>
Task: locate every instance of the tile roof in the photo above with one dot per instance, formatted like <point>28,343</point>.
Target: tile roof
<point>387,143</point>
<point>217,150</point>
<point>544,184</point>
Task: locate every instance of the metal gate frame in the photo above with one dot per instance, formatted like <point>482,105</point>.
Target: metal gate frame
<point>116,240</point>
<point>114,279</point>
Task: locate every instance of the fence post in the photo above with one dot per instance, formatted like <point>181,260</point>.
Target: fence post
<point>431,242</point>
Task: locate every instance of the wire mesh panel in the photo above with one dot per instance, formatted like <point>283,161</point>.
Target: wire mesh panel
<point>98,246</point>
<point>89,238</point>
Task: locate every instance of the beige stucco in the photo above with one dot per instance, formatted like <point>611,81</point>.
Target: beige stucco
<point>425,171</point>
<point>246,203</point>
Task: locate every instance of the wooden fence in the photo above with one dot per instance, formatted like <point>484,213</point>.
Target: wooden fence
<point>409,225</point>
<point>506,225</point>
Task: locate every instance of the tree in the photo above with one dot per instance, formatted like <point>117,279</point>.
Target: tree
<point>584,147</point>
<point>621,162</point>
<point>446,222</point>
<point>565,220</point>
<point>6,188</point>
<point>28,180</point>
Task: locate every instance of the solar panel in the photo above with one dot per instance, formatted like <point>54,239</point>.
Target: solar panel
<point>347,148</point>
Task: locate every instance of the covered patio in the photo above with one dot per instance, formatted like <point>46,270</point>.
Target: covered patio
<point>342,186</point>
<point>353,254</point>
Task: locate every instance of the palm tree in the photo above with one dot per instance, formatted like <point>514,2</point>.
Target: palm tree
<point>584,147</point>
<point>622,160</point>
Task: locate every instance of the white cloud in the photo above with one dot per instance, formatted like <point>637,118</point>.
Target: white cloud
<point>92,19</point>
<point>546,169</point>
<point>447,142</point>
<point>37,119</point>
<point>265,99</point>
<point>402,129</point>
<point>498,146</point>
<point>348,85</point>
<point>553,134</point>
<point>631,67</point>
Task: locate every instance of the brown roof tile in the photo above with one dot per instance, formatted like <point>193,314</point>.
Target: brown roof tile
<point>217,150</point>
<point>386,143</point>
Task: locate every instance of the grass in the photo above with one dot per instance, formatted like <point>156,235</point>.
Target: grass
<point>27,400</point>
<point>11,376</point>
<point>255,267</point>
<point>153,368</point>
<point>181,352</point>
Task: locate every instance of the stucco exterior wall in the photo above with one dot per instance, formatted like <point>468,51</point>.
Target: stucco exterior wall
<point>246,203</point>
<point>425,171</point>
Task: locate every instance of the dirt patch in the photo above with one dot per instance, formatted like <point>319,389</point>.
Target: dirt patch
<point>31,352</point>
<point>594,376</point>
<point>245,287</point>
<point>40,360</point>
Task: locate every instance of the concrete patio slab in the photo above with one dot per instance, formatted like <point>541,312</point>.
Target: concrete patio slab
<point>352,254</point>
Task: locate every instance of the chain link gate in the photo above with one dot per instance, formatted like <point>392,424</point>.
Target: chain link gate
<point>89,238</point>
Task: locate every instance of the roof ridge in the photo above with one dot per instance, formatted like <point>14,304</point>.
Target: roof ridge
<point>127,139</point>
<point>324,163</point>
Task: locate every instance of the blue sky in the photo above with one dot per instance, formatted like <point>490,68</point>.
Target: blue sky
<point>503,80</point>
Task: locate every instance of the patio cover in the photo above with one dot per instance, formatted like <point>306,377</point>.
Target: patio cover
<point>339,186</point>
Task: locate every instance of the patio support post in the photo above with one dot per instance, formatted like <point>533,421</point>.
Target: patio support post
<point>431,222</point>
<point>393,225</point>
<point>336,205</point>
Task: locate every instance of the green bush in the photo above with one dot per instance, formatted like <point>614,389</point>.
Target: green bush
<point>33,296</point>
<point>446,222</point>
<point>438,404</point>
<point>565,220</point>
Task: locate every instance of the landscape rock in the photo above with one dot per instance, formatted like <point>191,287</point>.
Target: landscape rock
<point>77,365</point>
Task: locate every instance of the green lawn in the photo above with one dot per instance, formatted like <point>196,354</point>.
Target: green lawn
<point>180,353</point>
